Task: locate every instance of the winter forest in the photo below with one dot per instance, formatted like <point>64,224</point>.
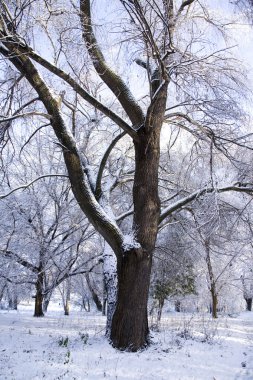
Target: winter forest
<point>126,189</point>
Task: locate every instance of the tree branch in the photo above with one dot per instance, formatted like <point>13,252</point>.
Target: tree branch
<point>98,189</point>
<point>76,87</point>
<point>2,196</point>
<point>33,113</point>
<point>182,6</point>
<point>79,181</point>
<point>110,78</point>
<point>243,188</point>
<point>19,260</point>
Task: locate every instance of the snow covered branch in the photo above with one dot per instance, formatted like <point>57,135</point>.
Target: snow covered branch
<point>242,188</point>
<point>22,187</point>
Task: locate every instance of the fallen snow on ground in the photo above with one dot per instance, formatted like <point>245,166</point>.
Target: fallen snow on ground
<point>187,347</point>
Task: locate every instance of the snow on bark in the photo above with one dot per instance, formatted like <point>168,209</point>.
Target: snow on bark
<point>110,283</point>
<point>130,243</point>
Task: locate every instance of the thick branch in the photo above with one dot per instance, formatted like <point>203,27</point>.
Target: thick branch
<point>77,88</point>
<point>20,261</point>
<point>182,6</point>
<point>79,181</point>
<point>110,78</point>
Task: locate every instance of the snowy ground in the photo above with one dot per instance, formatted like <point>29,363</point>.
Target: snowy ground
<point>187,347</point>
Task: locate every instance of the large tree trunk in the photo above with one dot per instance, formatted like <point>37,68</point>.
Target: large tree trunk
<point>130,321</point>
<point>38,310</point>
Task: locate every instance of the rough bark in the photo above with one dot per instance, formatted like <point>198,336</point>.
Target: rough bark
<point>130,323</point>
<point>130,320</point>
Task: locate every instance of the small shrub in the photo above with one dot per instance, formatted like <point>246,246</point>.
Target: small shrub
<point>84,337</point>
<point>67,357</point>
<point>63,342</point>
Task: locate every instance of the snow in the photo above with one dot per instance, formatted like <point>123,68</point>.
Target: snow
<point>188,347</point>
<point>130,242</point>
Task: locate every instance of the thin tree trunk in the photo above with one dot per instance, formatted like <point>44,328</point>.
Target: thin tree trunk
<point>38,310</point>
<point>12,298</point>
<point>160,309</point>
<point>2,292</point>
<point>213,290</point>
<point>248,304</point>
<point>104,297</point>
<point>45,305</point>
<point>178,306</point>
<point>93,293</point>
<point>86,308</point>
<point>214,303</point>
<point>46,301</point>
<point>66,301</point>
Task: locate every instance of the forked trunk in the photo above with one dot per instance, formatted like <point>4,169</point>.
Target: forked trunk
<point>130,322</point>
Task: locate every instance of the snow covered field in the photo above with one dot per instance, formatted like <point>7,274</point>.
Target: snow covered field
<point>74,347</point>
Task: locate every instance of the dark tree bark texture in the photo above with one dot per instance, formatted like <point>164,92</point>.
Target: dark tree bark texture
<point>248,304</point>
<point>38,309</point>
<point>130,324</point>
<point>214,303</point>
<point>130,320</point>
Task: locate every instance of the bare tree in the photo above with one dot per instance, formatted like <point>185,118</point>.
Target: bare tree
<point>204,83</point>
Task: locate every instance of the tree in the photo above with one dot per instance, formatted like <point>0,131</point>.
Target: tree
<point>54,233</point>
<point>202,85</point>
